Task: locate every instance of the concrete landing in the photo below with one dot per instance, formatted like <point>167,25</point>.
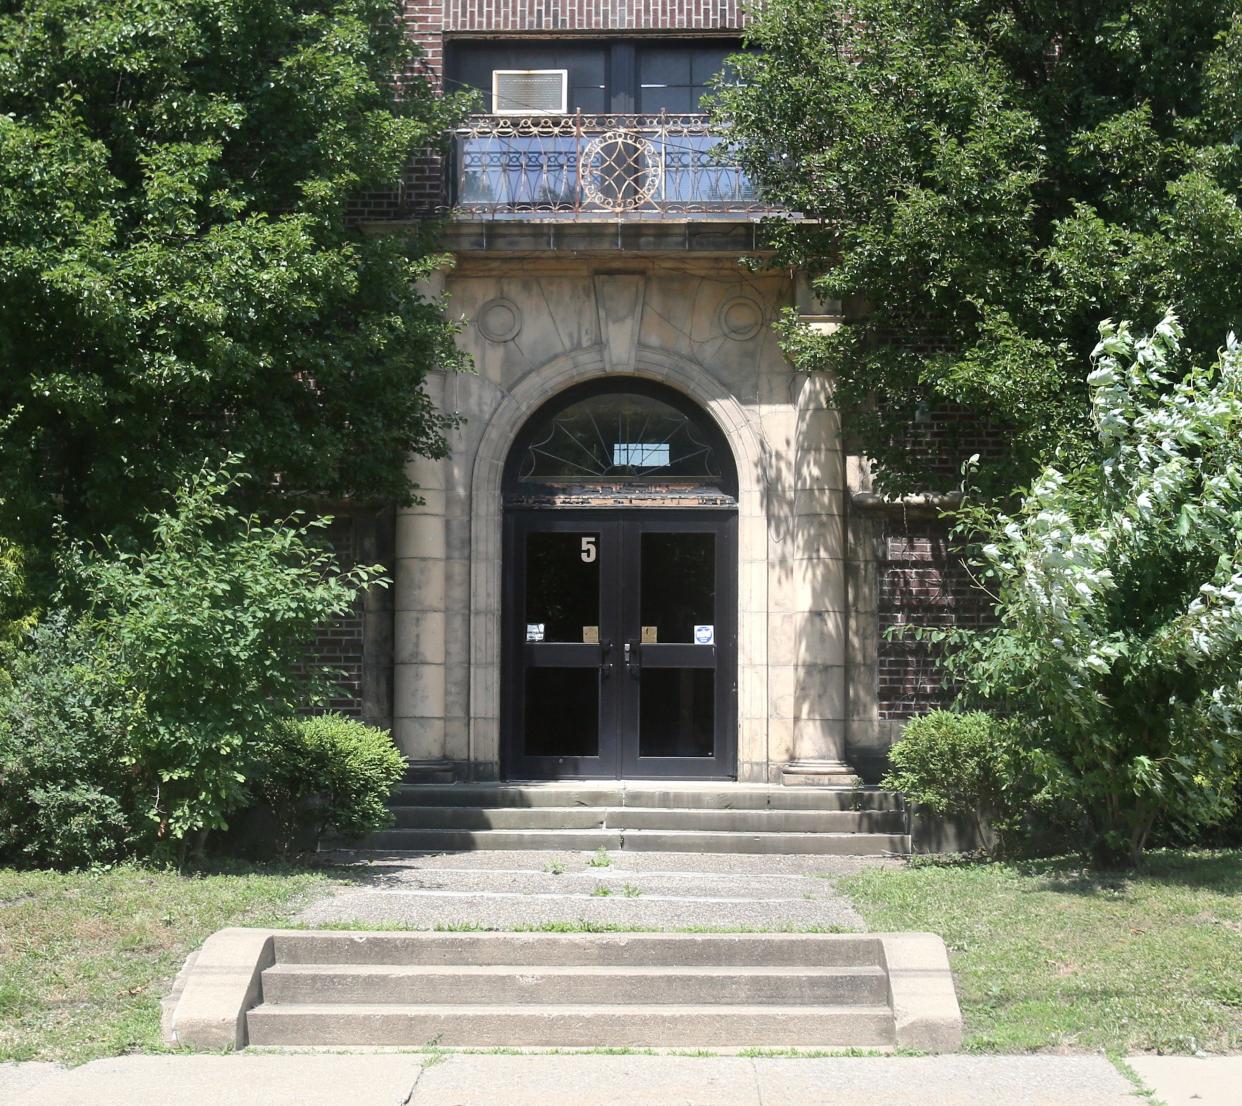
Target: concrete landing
<point>394,1079</point>
<point>503,890</point>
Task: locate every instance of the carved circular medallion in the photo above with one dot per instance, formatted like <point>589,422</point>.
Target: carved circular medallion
<point>621,171</point>
<point>499,320</point>
<point>741,318</point>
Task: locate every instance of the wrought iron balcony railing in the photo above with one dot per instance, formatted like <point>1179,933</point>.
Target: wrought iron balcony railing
<point>604,164</point>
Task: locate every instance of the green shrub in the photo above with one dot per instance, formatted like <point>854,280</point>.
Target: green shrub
<point>948,762</point>
<point>66,776</point>
<point>328,772</point>
<point>211,621</point>
<point>1118,587</point>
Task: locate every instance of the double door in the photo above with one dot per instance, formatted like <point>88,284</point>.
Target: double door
<point>620,644</point>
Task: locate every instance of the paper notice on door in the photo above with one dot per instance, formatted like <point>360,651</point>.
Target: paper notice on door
<point>534,631</point>
<point>650,637</point>
<point>590,635</point>
<point>705,635</point>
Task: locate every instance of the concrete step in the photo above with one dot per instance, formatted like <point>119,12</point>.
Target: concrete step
<point>572,1026</point>
<point>677,950</point>
<point>758,821</point>
<point>681,795</point>
<point>502,817</point>
<point>682,841</point>
<point>658,818</point>
<point>506,985</point>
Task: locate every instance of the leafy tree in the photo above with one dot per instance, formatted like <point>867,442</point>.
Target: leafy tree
<point>179,274</point>
<point>981,181</point>
<point>1118,588</point>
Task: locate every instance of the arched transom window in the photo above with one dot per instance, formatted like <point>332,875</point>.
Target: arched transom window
<point>636,441</point>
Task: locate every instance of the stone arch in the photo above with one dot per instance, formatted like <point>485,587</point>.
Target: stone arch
<point>517,404</point>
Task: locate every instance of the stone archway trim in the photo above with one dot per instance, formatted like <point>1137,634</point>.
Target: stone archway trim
<point>516,405</point>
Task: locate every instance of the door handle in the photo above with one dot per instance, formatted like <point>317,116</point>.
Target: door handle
<point>632,661</point>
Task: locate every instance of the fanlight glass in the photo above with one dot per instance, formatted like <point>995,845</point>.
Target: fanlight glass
<point>619,437</point>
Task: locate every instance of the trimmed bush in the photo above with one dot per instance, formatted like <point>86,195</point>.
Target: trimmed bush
<point>328,772</point>
<point>953,764</point>
<point>67,786</point>
<point>948,762</point>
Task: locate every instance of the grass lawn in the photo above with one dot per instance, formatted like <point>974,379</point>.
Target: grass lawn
<point>85,958</point>
<point>1047,956</point>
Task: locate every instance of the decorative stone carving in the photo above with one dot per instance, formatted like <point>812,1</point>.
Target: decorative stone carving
<point>619,301</point>
<point>499,320</point>
<point>740,318</point>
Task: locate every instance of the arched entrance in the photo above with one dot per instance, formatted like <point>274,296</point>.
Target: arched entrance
<point>619,654</point>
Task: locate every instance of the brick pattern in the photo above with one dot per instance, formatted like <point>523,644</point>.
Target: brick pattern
<point>586,15</point>
<point>942,438</point>
<point>923,583</point>
<point>338,645</point>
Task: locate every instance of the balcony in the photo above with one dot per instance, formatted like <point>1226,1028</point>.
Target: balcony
<point>592,166</point>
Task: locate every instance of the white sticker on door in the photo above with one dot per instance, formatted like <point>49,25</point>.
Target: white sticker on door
<point>704,635</point>
<point>534,631</point>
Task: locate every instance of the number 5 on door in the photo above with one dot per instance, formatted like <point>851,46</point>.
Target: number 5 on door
<point>588,549</point>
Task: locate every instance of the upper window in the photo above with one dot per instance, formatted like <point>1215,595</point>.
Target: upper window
<point>644,434</point>
<point>615,76</point>
<point>529,91</point>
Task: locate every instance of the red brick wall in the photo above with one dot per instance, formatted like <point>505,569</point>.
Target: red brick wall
<point>339,645</point>
<point>584,15</point>
<point>921,583</point>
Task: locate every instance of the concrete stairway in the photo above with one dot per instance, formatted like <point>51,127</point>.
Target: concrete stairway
<point>676,817</point>
<point>579,990</point>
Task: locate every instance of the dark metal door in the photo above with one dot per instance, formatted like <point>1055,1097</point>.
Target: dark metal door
<point>620,644</point>
<point>679,645</point>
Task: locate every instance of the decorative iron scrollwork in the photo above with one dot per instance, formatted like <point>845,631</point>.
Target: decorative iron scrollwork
<point>620,171</point>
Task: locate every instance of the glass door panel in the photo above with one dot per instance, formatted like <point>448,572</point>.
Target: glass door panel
<point>562,587</point>
<point>561,712</point>
<point>677,713</point>
<point>677,586</point>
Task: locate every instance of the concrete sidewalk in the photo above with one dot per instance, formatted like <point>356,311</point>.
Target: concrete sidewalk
<point>658,891</point>
<point>458,1079</point>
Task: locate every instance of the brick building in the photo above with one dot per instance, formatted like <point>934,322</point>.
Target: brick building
<point>649,553</point>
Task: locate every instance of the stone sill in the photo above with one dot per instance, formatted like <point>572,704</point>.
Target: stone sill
<point>589,234</point>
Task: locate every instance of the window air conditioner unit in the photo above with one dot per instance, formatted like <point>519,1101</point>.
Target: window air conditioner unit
<point>529,91</point>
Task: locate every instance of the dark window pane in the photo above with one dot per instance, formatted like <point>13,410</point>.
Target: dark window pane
<point>588,99</point>
<point>562,585</point>
<point>677,712</point>
<point>678,584</point>
<point>705,64</point>
<point>562,712</point>
<point>664,65</point>
<point>675,99</point>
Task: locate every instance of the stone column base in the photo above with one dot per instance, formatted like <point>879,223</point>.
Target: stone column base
<point>819,773</point>
<point>437,770</point>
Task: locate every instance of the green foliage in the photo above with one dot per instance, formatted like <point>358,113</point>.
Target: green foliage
<point>328,772</point>
<point>15,613</point>
<point>1118,587</point>
<point>67,796</point>
<point>178,277</point>
<point>952,763</point>
<point>209,622</point>
<point>981,182</point>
